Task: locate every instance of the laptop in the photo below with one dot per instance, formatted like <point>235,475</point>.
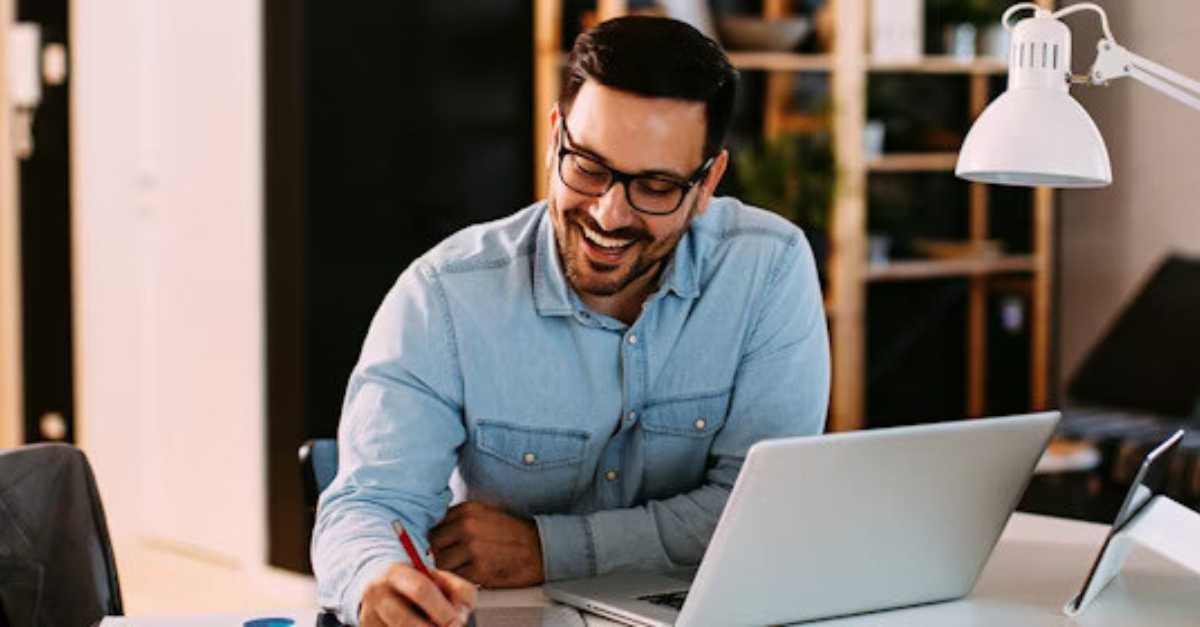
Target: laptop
<point>848,523</point>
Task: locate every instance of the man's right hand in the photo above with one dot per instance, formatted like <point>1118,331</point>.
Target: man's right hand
<point>402,597</point>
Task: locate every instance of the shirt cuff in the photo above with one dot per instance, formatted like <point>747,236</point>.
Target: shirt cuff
<point>568,548</point>
<point>354,592</point>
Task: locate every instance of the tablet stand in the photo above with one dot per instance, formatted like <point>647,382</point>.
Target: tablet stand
<point>1163,526</point>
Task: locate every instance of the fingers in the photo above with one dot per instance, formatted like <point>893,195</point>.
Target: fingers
<point>446,534</point>
<point>394,612</point>
<point>462,593</point>
<point>422,592</point>
<point>454,557</point>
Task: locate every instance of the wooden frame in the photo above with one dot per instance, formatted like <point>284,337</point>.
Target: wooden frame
<point>283,208</point>
<point>547,68</point>
<point>11,407</point>
<point>849,273</point>
<point>977,294</point>
<point>848,255</point>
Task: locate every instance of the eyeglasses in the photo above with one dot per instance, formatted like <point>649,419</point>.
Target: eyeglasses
<point>653,193</point>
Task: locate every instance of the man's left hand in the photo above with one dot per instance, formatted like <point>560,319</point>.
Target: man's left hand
<point>488,546</point>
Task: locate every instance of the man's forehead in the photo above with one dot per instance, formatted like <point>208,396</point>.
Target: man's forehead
<point>635,132</point>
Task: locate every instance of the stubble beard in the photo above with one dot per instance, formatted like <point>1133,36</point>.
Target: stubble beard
<point>576,265</point>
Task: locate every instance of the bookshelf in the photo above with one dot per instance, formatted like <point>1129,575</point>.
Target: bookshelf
<point>850,67</point>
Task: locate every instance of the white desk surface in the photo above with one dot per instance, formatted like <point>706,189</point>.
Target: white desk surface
<point>1038,565</point>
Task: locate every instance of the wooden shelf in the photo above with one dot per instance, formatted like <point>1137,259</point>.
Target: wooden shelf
<point>797,62</point>
<point>914,162</point>
<point>781,61</point>
<point>941,64</point>
<point>918,269</point>
<point>765,61</point>
<point>802,123</point>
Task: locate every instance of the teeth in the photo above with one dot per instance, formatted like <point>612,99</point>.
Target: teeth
<point>606,242</point>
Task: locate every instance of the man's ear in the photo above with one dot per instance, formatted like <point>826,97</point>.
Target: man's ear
<point>708,186</point>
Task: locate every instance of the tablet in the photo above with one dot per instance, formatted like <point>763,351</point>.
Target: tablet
<point>1150,479</point>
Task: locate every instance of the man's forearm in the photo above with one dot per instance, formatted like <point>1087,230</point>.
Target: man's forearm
<point>659,535</point>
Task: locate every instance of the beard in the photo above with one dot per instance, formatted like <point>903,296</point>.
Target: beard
<point>590,276</point>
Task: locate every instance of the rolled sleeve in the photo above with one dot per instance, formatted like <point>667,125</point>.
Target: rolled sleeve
<point>568,547</point>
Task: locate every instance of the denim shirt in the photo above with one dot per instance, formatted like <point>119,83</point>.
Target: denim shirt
<point>621,441</point>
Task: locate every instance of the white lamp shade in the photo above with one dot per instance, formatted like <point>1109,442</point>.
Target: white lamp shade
<point>1035,137</point>
<point>1035,133</point>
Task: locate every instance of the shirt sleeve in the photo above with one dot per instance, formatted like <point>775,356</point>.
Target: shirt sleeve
<point>781,389</point>
<point>398,439</point>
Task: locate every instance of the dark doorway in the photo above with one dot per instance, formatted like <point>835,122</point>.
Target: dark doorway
<point>45,207</point>
<point>389,126</point>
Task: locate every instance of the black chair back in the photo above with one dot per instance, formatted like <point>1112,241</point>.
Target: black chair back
<point>318,467</point>
<point>56,559</point>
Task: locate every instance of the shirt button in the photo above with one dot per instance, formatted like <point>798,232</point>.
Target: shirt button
<point>611,475</point>
<point>632,415</point>
<point>632,339</point>
<point>700,423</point>
<point>529,458</point>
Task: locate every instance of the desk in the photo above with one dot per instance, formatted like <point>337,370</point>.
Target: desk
<point>1039,563</point>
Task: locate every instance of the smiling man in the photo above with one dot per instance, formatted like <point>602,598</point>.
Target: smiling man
<point>594,367</point>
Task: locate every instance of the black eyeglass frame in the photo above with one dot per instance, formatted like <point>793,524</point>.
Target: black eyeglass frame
<point>624,178</point>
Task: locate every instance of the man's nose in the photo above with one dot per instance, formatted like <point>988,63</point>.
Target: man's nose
<point>612,211</point>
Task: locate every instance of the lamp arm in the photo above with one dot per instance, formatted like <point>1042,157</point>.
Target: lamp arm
<point>1114,61</point>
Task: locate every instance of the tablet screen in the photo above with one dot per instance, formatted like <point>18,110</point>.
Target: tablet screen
<point>1149,481</point>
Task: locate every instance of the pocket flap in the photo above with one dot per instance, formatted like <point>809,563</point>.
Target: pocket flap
<point>695,417</point>
<point>531,448</point>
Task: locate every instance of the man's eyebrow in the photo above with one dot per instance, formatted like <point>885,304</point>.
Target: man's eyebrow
<point>584,148</point>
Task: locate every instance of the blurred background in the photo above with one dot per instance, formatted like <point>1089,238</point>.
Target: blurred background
<point>203,203</point>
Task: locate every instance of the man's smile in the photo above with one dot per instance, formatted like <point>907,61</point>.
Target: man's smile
<point>606,250</point>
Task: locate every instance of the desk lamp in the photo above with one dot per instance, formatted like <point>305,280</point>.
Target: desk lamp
<point>1035,133</point>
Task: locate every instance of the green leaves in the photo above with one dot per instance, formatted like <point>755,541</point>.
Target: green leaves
<point>792,175</point>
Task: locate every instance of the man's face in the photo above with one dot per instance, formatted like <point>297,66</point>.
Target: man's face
<point>605,244</point>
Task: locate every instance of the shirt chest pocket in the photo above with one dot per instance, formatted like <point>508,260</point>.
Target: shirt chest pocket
<point>675,438</point>
<point>526,469</point>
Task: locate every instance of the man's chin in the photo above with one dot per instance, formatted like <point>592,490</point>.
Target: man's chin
<point>596,286</point>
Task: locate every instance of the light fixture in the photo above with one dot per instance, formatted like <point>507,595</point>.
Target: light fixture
<point>1035,133</point>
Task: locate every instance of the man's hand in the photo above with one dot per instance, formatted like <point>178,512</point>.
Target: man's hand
<point>489,546</point>
<point>402,596</point>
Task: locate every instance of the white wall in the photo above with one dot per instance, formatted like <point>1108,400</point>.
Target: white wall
<point>167,175</point>
<point>1113,238</point>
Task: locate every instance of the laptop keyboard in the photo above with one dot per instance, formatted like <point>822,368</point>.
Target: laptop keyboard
<point>670,599</point>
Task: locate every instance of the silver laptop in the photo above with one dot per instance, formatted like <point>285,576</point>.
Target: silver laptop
<point>841,524</point>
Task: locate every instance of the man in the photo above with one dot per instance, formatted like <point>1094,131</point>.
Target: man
<point>595,367</point>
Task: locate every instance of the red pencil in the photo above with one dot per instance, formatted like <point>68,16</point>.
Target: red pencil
<point>411,549</point>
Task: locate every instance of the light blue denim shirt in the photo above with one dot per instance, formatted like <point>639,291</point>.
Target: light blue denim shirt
<point>621,441</point>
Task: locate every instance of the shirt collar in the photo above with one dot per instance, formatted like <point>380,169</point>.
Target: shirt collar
<point>549,281</point>
<point>680,274</point>
<point>550,289</point>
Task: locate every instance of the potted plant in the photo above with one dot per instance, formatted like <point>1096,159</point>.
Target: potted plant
<point>794,176</point>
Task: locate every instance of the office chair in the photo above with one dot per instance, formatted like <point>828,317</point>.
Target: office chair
<point>56,559</point>
<point>318,467</point>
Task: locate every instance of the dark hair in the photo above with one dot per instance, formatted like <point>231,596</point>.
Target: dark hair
<point>656,57</point>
